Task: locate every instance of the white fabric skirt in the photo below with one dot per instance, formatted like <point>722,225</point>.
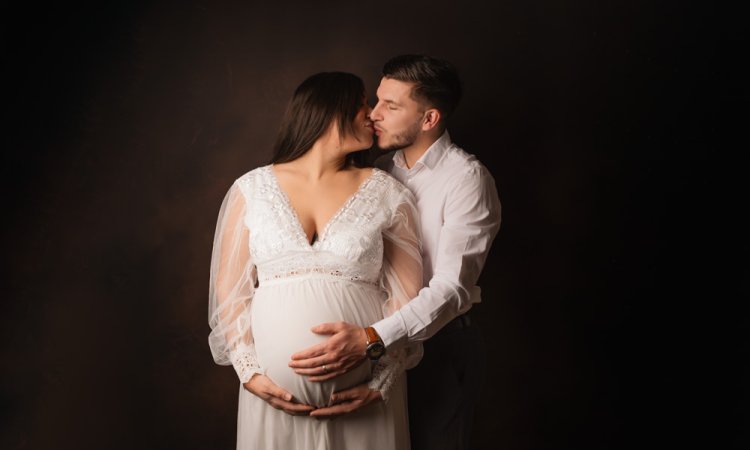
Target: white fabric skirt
<point>283,312</point>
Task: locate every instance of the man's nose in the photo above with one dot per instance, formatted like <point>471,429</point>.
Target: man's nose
<point>374,113</point>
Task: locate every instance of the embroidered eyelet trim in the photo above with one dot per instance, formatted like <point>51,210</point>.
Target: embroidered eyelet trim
<point>350,246</point>
<point>283,206</point>
<point>246,365</point>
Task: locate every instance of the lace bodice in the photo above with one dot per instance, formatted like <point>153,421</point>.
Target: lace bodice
<point>373,238</point>
<point>350,245</point>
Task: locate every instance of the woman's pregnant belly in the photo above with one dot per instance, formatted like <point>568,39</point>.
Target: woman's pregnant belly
<point>284,313</point>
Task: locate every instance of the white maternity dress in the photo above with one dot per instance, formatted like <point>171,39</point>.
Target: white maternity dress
<point>270,286</point>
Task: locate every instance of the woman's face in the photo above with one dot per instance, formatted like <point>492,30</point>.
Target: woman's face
<point>361,136</point>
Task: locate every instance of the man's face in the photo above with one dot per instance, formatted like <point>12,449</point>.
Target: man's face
<point>397,117</point>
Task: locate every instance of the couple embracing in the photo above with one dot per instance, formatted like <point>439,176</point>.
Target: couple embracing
<point>330,279</point>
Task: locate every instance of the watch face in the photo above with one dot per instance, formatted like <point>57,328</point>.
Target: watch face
<point>375,350</point>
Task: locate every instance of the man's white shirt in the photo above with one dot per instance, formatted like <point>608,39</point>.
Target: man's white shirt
<point>459,211</point>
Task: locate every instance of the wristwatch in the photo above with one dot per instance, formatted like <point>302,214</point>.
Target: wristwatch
<point>375,347</point>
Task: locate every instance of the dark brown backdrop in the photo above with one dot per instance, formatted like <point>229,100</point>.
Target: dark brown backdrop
<point>130,122</point>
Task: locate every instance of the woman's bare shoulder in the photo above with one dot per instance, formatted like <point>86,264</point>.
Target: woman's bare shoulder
<point>363,173</point>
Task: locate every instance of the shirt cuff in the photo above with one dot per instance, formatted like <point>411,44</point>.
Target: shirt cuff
<point>392,330</point>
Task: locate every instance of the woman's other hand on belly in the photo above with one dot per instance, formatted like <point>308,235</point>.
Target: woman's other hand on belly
<point>348,401</point>
<point>262,386</point>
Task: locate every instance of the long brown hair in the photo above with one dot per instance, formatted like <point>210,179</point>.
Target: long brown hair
<point>319,101</point>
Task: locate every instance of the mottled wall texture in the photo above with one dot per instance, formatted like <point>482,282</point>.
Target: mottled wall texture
<point>126,124</point>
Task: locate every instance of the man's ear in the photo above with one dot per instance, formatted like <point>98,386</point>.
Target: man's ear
<point>431,119</point>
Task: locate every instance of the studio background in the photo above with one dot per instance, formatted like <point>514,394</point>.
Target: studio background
<point>128,123</point>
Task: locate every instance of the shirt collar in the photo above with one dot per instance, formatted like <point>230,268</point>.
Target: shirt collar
<point>430,158</point>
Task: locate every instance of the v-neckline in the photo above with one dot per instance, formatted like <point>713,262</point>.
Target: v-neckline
<point>300,229</point>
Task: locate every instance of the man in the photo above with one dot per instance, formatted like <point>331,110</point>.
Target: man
<point>460,216</point>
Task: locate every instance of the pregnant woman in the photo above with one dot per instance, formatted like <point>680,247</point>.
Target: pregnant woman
<point>309,239</point>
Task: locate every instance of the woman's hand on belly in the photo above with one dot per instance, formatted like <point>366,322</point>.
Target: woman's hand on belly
<point>348,401</point>
<point>263,387</point>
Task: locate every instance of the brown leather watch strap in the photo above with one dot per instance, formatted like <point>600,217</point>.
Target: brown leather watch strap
<point>372,335</point>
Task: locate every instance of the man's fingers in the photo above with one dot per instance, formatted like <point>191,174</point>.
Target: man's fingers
<point>334,370</point>
<point>338,369</point>
<point>310,352</point>
<point>326,328</point>
<point>327,376</point>
<point>315,363</point>
<point>319,369</point>
<point>314,374</point>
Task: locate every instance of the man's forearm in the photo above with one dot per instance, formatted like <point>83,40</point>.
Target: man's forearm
<point>425,315</point>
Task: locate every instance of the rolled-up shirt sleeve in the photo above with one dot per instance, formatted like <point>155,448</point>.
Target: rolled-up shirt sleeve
<point>471,219</point>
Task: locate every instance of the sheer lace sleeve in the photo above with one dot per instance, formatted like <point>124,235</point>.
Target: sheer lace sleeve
<point>402,279</point>
<point>231,289</point>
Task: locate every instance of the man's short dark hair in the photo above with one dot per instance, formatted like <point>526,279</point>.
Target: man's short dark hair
<point>436,82</point>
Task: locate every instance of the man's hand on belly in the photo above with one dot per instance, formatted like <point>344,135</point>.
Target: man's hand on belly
<point>348,401</point>
<point>342,351</point>
<point>263,387</point>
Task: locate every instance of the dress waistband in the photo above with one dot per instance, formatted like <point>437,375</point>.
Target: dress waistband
<point>312,275</point>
